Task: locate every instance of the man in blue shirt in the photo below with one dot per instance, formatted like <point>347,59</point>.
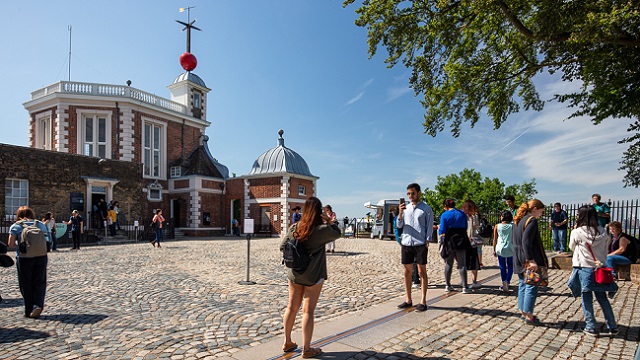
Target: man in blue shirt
<point>453,229</point>
<point>558,224</point>
<point>296,215</point>
<point>416,221</point>
<point>603,210</point>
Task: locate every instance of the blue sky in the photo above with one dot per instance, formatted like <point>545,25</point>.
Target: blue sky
<point>301,66</point>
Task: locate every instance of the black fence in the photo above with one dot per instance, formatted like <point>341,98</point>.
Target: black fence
<point>624,211</point>
<point>97,233</point>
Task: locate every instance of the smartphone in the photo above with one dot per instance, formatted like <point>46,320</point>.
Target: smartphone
<point>401,200</point>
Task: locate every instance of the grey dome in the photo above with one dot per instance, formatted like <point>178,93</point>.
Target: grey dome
<point>191,77</point>
<point>280,159</point>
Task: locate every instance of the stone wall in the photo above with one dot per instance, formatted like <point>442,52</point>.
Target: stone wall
<point>52,176</point>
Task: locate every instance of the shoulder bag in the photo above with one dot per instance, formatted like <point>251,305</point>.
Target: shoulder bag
<point>603,275</point>
<point>539,277</point>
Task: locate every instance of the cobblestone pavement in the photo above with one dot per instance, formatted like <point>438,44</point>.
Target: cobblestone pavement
<point>184,301</point>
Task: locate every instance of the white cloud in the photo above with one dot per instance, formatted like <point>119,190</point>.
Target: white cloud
<point>396,92</point>
<point>355,99</point>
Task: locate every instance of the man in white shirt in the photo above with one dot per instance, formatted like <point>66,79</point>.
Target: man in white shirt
<point>416,221</point>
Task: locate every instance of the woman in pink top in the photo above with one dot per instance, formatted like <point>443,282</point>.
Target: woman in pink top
<point>331,247</point>
<point>158,219</point>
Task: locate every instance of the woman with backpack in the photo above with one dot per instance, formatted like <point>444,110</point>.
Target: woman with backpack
<point>50,222</point>
<point>32,263</point>
<point>623,250</point>
<point>503,248</point>
<point>157,221</point>
<point>473,254</point>
<point>314,230</point>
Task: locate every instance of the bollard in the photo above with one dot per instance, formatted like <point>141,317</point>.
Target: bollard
<point>248,282</point>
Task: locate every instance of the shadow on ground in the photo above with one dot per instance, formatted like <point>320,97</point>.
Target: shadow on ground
<point>76,319</point>
<point>20,334</point>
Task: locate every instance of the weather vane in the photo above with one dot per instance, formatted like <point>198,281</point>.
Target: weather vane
<point>188,60</point>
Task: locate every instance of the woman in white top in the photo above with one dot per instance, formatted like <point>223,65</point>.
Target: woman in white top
<point>589,242</point>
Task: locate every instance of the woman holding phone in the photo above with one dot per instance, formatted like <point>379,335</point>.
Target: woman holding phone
<point>314,230</point>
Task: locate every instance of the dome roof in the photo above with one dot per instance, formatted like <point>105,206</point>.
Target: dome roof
<point>280,159</point>
<point>191,77</point>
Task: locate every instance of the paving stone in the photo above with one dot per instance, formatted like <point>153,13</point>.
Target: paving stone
<point>184,301</point>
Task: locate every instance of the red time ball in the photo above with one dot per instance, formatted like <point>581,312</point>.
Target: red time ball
<point>188,61</point>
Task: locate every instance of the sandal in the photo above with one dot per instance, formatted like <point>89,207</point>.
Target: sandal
<point>289,347</point>
<point>312,352</point>
<point>534,321</point>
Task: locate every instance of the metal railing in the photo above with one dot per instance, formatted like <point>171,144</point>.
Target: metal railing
<point>624,211</point>
<point>95,233</point>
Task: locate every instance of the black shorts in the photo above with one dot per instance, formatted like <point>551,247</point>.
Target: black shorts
<point>417,254</point>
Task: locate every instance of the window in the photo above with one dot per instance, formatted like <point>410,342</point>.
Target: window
<point>302,190</point>
<point>153,150</point>
<point>175,171</point>
<point>16,194</point>
<point>95,138</point>
<point>43,133</point>
<point>154,191</point>
<point>196,100</point>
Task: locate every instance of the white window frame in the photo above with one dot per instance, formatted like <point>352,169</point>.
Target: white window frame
<point>154,191</point>
<point>16,194</point>
<point>302,190</point>
<point>82,116</point>
<point>43,131</point>
<point>147,173</point>
<point>175,171</point>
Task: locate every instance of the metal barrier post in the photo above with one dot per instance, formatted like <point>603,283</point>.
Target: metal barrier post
<point>248,282</point>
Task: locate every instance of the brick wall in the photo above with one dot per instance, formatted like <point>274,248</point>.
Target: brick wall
<point>265,188</point>
<point>54,175</point>
<point>295,182</point>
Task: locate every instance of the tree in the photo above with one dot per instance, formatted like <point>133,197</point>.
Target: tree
<point>485,192</point>
<point>472,56</point>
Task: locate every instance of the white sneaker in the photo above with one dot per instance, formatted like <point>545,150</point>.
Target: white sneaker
<point>448,289</point>
<point>475,285</point>
<point>466,291</point>
<point>415,286</point>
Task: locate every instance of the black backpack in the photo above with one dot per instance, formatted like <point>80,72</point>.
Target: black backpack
<point>633,241</point>
<point>485,229</point>
<point>295,255</point>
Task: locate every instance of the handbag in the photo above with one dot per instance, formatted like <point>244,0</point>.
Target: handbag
<point>477,241</point>
<point>539,277</point>
<point>603,275</point>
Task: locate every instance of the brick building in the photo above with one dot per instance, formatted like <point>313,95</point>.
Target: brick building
<point>90,142</point>
<point>278,181</point>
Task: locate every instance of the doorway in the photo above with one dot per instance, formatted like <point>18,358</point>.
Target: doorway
<point>236,213</point>
<point>96,216</point>
<point>175,213</point>
<point>265,218</point>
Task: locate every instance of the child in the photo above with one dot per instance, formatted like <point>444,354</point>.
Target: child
<point>503,248</point>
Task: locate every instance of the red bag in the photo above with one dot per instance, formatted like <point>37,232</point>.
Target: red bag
<point>604,275</point>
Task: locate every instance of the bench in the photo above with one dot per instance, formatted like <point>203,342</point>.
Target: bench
<point>625,272</point>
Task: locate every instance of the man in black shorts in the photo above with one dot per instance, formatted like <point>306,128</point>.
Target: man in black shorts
<point>416,220</point>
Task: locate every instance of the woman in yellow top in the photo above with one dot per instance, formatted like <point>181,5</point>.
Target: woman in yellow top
<point>314,231</point>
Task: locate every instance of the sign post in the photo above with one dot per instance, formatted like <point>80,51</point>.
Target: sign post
<point>248,229</point>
